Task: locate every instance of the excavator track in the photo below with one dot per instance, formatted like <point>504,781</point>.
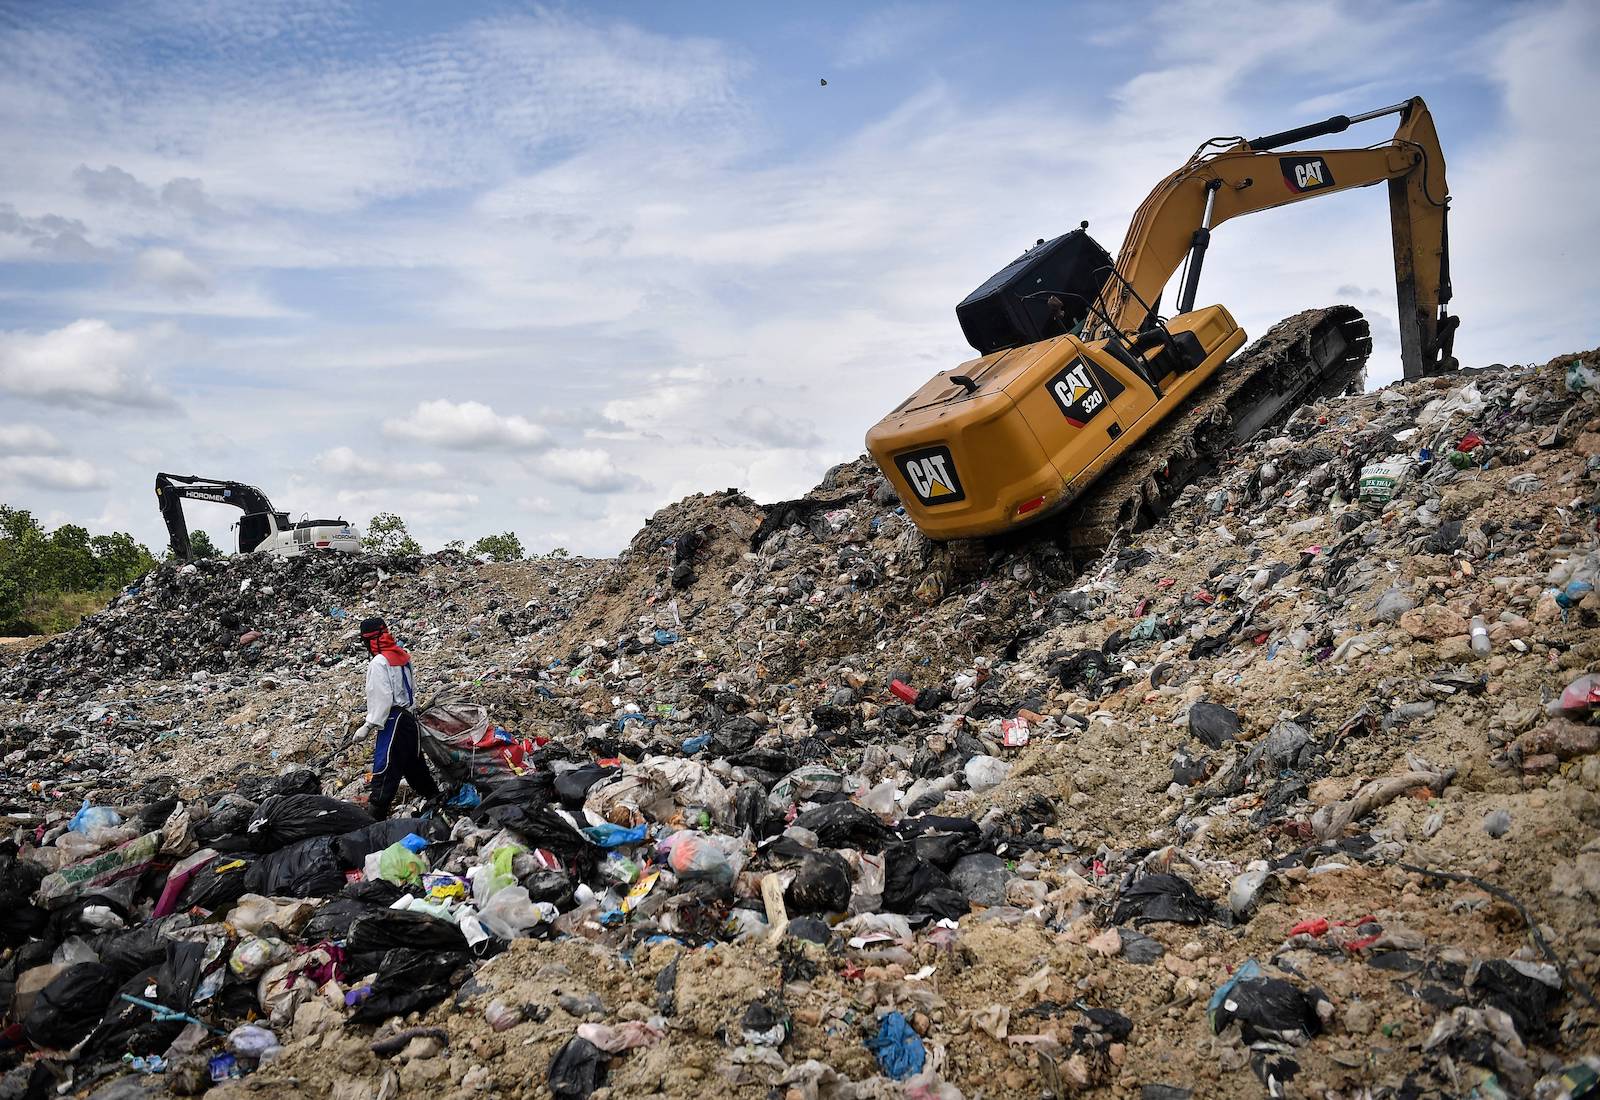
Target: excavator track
<point>1315,354</point>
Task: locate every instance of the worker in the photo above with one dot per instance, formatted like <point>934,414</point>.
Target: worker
<point>391,693</point>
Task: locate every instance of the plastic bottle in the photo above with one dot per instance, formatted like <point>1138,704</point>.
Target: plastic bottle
<point>1480,637</point>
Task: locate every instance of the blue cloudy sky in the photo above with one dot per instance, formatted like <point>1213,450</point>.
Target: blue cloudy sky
<point>549,267</point>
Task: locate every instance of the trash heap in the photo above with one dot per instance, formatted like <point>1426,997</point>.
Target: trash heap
<point>1295,793</point>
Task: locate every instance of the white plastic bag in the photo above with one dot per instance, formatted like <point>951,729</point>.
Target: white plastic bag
<point>510,913</point>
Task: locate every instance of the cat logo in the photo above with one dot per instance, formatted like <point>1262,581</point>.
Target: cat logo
<point>931,473</point>
<point>1303,174</point>
<point>1081,389</point>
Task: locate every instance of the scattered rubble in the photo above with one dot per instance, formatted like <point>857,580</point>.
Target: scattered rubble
<point>1296,793</point>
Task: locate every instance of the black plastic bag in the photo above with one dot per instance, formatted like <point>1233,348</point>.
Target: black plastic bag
<point>1162,898</point>
<point>942,903</point>
<point>259,788</point>
<point>1517,993</point>
<point>821,885</point>
<point>67,1009</point>
<point>750,808</point>
<point>334,919</point>
<point>130,1027</point>
<point>409,980</point>
<point>576,1070</point>
<point>354,847</point>
<point>220,883</point>
<point>907,880</point>
<point>552,886</point>
<point>1213,724</point>
<point>228,818</point>
<point>20,919</point>
<point>944,849</point>
<point>1269,1010</point>
<point>524,790</point>
<point>127,953</point>
<point>308,868</point>
<point>544,827</point>
<point>284,819</point>
<point>374,935</point>
<point>846,825</point>
<point>180,974</point>
<point>373,891</point>
<point>1085,671</point>
<point>573,786</point>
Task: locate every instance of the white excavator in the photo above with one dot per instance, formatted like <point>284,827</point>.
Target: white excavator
<point>262,529</point>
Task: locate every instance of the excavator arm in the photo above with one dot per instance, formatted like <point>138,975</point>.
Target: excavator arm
<point>1227,178</point>
<point>173,489</point>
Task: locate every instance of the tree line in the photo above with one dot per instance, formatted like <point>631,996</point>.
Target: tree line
<point>50,579</point>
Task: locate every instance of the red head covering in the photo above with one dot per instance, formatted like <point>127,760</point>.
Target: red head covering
<point>376,634</point>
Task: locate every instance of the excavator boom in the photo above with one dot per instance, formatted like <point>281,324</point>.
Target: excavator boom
<point>1221,182</point>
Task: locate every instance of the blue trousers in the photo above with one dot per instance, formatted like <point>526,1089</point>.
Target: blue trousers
<point>396,755</point>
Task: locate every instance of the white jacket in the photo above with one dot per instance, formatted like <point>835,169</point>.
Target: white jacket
<point>387,686</point>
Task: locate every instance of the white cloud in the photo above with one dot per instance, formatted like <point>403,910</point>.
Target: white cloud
<point>592,470</point>
<point>465,426</point>
<point>86,364</point>
<point>765,426</point>
<point>72,475</point>
<point>171,271</point>
<point>48,235</point>
<point>344,462</point>
<point>663,401</point>
<point>413,505</point>
<point>27,439</point>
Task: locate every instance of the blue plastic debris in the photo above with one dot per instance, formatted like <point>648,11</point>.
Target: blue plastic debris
<point>608,835</point>
<point>413,842</point>
<point>897,1047</point>
<point>665,637</point>
<point>466,797</point>
<point>696,743</point>
<point>89,816</point>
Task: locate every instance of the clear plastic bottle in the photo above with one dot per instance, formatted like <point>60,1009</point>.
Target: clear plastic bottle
<point>1480,637</point>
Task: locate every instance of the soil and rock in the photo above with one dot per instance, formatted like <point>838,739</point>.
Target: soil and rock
<point>1296,793</point>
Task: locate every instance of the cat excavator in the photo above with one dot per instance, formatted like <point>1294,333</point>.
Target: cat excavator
<point>1088,406</point>
<point>262,529</point>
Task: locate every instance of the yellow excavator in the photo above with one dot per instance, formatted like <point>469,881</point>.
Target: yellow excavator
<point>1087,405</point>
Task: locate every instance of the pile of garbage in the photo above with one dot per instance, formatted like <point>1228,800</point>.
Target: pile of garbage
<point>1295,793</point>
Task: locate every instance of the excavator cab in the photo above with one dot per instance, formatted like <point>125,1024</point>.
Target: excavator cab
<point>257,527</point>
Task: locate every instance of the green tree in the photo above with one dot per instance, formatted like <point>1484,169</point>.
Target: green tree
<point>502,547</point>
<point>122,560</point>
<point>22,554</point>
<point>457,545</point>
<point>201,546</point>
<point>49,580</point>
<point>387,534</point>
<point>69,561</point>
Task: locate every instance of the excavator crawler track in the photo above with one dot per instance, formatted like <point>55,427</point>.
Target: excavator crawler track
<point>1315,354</point>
